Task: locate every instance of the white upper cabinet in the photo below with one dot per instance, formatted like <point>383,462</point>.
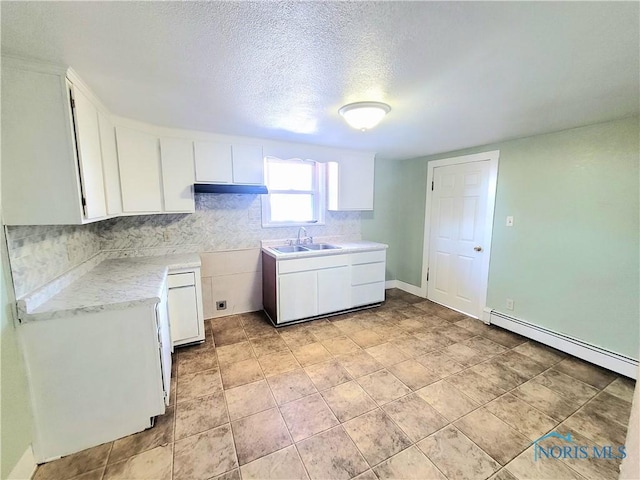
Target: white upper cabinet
<point>176,156</point>
<point>213,162</point>
<point>139,162</point>
<point>248,164</point>
<point>218,162</point>
<point>67,160</point>
<point>48,176</point>
<point>110,165</point>
<point>350,183</point>
<point>87,132</point>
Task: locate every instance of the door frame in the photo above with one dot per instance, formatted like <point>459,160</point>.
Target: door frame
<point>493,157</point>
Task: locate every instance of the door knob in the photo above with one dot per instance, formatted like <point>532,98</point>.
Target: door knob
<point>478,248</point>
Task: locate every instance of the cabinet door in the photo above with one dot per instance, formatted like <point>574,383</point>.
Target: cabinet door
<point>351,183</point>
<point>213,162</point>
<point>166,347</point>
<point>367,294</point>
<point>177,174</point>
<point>89,155</point>
<point>139,162</point>
<point>248,164</point>
<point>298,296</point>
<point>110,165</point>
<point>183,313</point>
<point>40,178</point>
<point>334,290</point>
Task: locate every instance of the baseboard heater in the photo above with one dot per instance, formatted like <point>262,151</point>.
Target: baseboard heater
<point>599,356</point>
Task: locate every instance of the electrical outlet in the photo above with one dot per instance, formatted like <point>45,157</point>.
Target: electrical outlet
<point>509,304</point>
<point>221,305</point>
<point>166,236</point>
<point>509,221</point>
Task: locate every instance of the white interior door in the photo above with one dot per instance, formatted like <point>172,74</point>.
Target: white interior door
<point>457,235</point>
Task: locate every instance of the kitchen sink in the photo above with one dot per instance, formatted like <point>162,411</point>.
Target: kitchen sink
<point>320,246</point>
<point>290,249</point>
<point>306,248</point>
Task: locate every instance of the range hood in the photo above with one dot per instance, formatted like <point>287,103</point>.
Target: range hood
<point>228,188</point>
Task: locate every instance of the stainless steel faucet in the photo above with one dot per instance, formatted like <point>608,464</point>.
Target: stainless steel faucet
<point>301,229</point>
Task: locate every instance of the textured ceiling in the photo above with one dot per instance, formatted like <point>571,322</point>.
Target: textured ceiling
<point>455,74</point>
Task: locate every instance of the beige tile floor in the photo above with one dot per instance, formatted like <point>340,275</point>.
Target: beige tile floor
<point>406,390</point>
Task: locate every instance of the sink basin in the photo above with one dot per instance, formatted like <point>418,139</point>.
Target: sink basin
<point>290,249</point>
<point>307,247</point>
<point>320,246</point>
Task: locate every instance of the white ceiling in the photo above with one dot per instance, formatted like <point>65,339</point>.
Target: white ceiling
<point>456,74</point>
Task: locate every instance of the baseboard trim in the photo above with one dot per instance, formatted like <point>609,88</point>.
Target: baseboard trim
<point>412,289</point>
<point>599,356</point>
<point>25,468</point>
<point>405,287</point>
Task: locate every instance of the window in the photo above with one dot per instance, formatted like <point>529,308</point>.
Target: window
<point>296,192</point>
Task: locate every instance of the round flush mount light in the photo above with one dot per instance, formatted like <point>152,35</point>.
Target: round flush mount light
<point>364,115</point>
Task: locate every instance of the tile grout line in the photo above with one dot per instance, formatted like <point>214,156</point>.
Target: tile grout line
<point>340,424</point>
<point>106,464</point>
<point>439,379</point>
<point>277,407</point>
<point>226,404</point>
<point>510,392</point>
<point>480,404</point>
<point>380,406</point>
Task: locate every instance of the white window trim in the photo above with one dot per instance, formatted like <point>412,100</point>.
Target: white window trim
<point>320,191</point>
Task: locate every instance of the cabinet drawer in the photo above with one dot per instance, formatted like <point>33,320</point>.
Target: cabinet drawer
<point>367,273</point>
<point>367,294</point>
<point>175,280</point>
<point>368,257</point>
<point>314,263</point>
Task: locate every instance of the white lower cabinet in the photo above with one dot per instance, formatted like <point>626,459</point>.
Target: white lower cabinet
<point>368,277</point>
<point>333,290</point>
<point>95,376</point>
<point>301,298</point>
<point>312,293</point>
<point>185,307</point>
<point>303,288</point>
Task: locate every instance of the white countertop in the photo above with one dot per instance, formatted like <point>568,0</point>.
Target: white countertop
<point>112,284</point>
<point>345,247</point>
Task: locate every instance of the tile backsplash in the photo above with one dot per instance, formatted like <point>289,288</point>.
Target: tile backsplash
<point>221,222</point>
<point>39,254</point>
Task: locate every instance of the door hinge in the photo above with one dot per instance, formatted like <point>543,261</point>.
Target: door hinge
<point>84,206</point>
<point>432,182</point>
<point>73,103</point>
<point>427,274</point>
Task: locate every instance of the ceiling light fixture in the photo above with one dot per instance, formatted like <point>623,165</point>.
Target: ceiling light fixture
<point>364,115</point>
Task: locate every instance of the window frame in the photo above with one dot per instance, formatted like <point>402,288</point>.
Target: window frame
<point>319,193</point>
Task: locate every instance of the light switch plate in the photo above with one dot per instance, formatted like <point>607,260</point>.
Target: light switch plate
<point>509,221</point>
